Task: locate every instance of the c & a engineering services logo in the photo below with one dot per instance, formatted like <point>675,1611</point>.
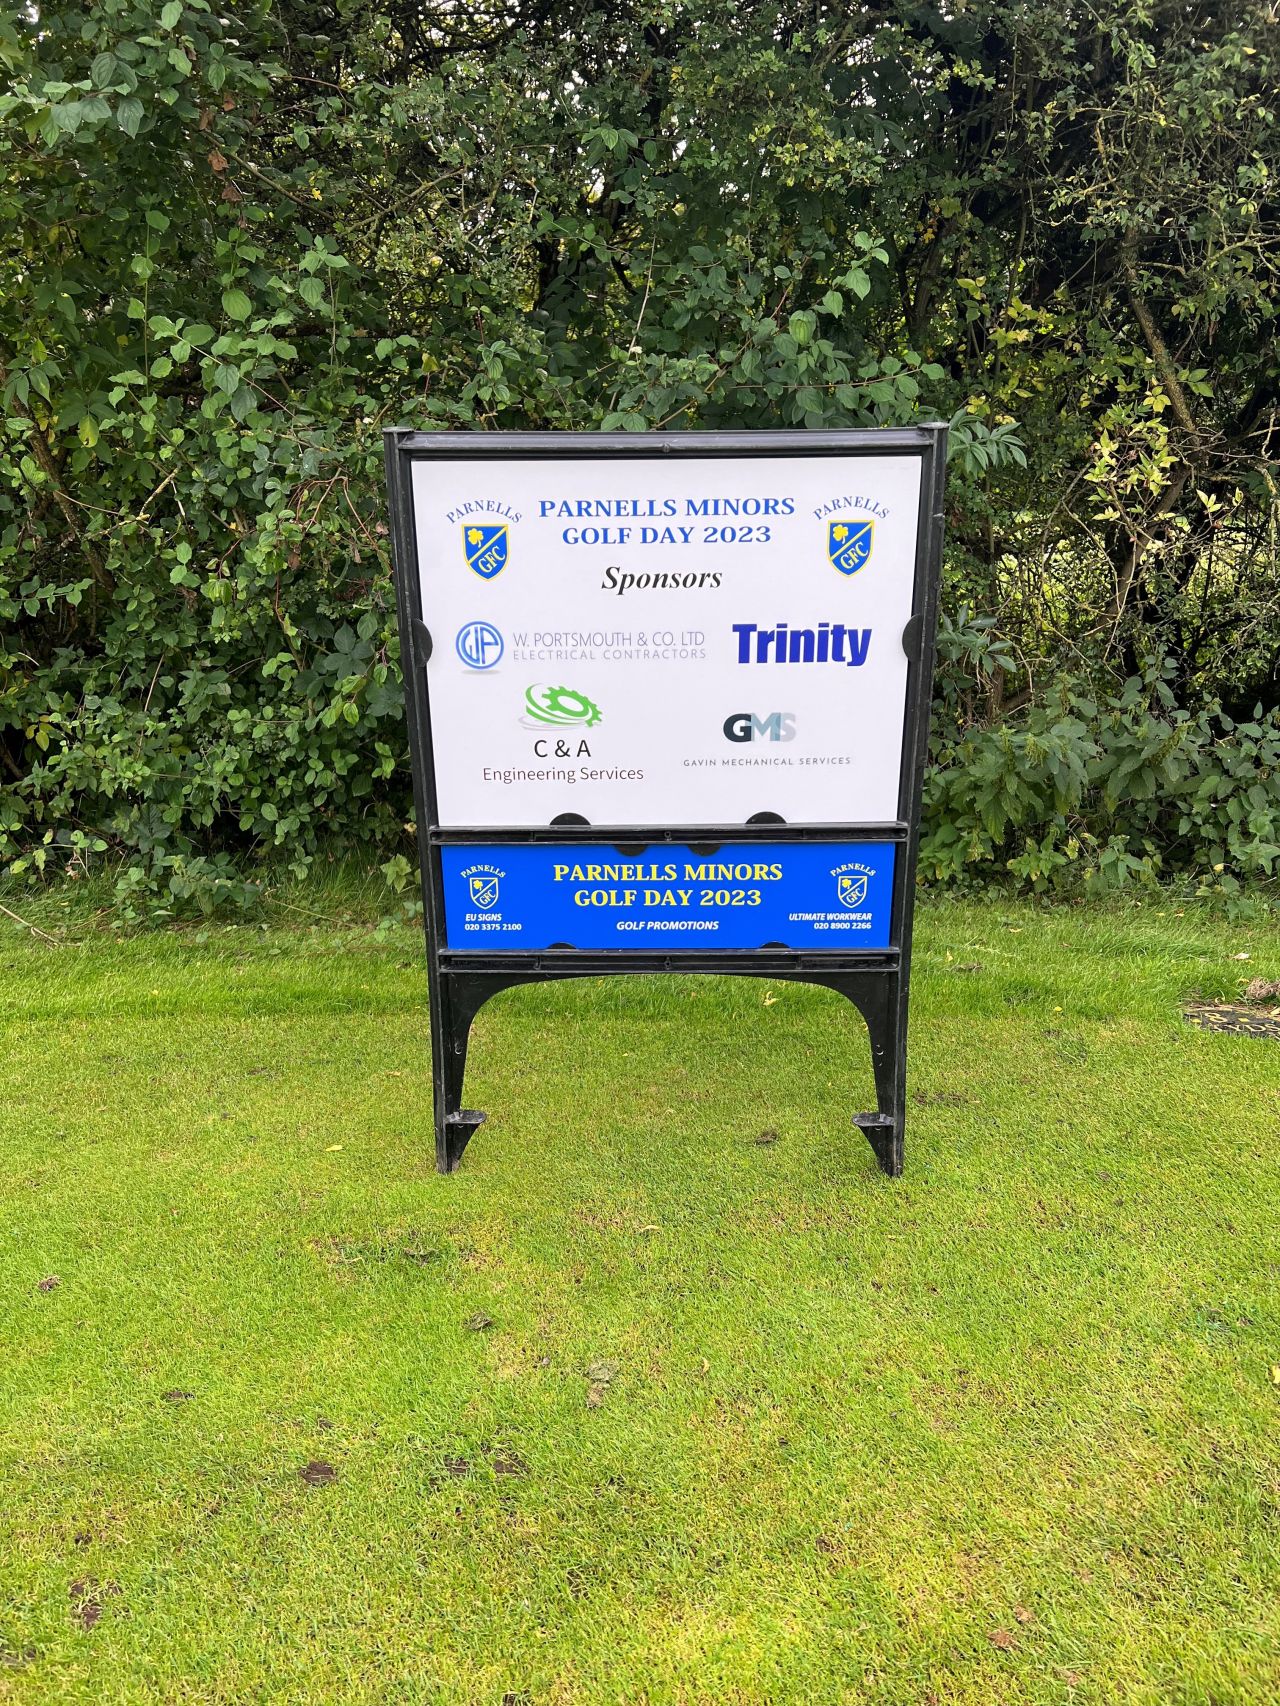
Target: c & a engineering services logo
<point>559,708</point>
<point>556,713</point>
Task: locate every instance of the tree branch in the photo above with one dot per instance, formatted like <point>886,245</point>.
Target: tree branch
<point>1165,365</point>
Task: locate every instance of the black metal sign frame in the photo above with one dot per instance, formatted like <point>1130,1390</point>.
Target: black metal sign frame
<point>877,982</point>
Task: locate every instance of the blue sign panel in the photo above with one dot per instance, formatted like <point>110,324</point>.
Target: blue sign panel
<point>519,899</point>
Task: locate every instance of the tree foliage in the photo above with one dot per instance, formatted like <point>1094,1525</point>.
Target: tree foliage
<point>237,242</point>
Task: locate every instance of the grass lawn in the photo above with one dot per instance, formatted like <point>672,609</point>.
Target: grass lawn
<point>749,1421</point>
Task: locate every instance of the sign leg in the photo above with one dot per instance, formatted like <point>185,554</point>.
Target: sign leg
<point>454,1004</point>
<point>879,997</point>
<point>886,1018</point>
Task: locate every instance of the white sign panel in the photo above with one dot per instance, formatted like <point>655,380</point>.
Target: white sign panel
<point>667,641</point>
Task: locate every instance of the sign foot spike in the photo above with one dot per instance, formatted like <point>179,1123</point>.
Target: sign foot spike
<point>458,1131</point>
<point>886,1141</point>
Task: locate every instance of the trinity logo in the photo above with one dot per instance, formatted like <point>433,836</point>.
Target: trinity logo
<point>849,544</point>
<point>484,892</point>
<point>485,548</point>
<point>851,888</point>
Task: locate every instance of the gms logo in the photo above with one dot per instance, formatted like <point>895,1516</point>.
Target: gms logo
<point>479,645</point>
<point>485,548</point>
<point>849,544</point>
<point>559,708</point>
<point>483,885</point>
<point>851,884</point>
<point>745,726</point>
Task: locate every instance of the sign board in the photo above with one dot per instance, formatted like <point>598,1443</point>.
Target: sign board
<point>744,896</point>
<point>668,701</point>
<point>680,641</point>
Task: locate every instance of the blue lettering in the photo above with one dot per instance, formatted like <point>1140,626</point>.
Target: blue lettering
<point>831,642</point>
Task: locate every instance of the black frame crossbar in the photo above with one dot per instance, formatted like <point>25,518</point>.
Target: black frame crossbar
<point>460,981</point>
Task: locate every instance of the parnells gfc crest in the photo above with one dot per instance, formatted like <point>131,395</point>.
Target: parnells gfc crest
<point>849,544</point>
<point>484,892</point>
<point>851,889</point>
<point>486,548</point>
<point>483,885</point>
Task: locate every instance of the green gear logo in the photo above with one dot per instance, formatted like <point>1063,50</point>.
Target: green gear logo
<point>559,707</point>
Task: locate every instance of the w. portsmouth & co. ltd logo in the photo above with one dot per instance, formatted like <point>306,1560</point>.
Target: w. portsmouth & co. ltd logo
<point>849,544</point>
<point>486,548</point>
<point>560,708</point>
<point>479,645</point>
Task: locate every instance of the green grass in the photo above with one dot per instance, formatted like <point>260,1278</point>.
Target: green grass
<point>1004,1430</point>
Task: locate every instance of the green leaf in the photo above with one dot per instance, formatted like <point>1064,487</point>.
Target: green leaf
<point>170,12</point>
<point>102,71</point>
<point>129,115</point>
<point>311,290</point>
<point>179,61</point>
<point>236,304</point>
